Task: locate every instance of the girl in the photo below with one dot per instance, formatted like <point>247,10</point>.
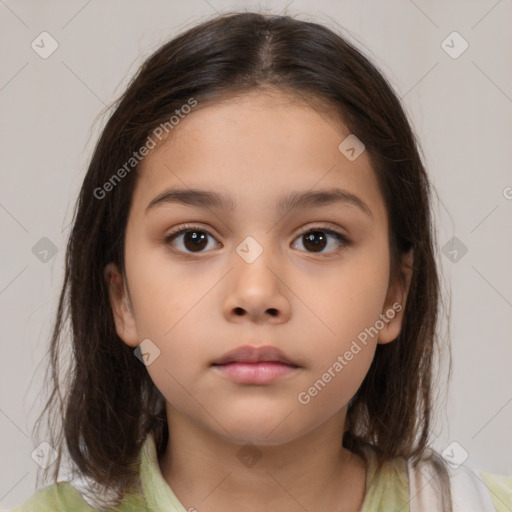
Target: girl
<point>252,290</point>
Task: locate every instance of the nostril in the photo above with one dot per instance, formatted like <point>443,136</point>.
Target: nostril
<point>241,311</point>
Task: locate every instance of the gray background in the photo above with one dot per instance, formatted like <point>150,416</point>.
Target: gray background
<point>460,108</point>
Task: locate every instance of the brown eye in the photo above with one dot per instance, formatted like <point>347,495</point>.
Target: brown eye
<point>195,240</point>
<point>316,240</point>
<point>189,240</point>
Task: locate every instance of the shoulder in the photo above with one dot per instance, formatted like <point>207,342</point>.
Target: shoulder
<point>65,496</point>
<point>387,486</point>
<point>57,497</point>
<point>470,489</point>
<point>500,489</point>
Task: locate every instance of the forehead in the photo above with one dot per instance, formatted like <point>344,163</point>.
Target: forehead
<point>255,147</point>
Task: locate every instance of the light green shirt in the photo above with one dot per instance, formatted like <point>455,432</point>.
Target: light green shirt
<point>386,491</point>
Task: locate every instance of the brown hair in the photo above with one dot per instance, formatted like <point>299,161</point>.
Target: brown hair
<point>110,403</point>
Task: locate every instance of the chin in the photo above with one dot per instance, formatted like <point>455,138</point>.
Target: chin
<point>261,432</point>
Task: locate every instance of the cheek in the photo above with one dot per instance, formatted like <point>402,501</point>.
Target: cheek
<point>164,294</point>
<point>347,307</point>
<point>172,305</point>
<point>333,385</point>
<point>344,303</point>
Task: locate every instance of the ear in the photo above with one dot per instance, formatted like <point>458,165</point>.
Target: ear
<point>394,307</point>
<point>120,304</point>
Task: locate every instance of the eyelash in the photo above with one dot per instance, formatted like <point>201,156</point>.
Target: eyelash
<point>342,239</point>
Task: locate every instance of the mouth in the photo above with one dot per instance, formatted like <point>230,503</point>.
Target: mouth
<point>250,365</point>
<point>248,354</point>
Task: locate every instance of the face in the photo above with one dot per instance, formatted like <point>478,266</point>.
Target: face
<point>311,279</point>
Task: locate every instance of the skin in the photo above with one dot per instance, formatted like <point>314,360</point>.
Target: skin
<point>195,307</point>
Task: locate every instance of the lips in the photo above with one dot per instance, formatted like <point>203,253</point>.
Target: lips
<point>256,366</point>
<point>248,354</point>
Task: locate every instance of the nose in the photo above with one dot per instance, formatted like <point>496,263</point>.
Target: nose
<point>257,291</point>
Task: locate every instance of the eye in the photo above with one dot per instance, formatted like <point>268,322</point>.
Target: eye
<point>316,239</point>
<point>191,239</point>
<point>194,239</point>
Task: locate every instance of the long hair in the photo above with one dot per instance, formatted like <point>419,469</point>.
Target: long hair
<point>106,401</point>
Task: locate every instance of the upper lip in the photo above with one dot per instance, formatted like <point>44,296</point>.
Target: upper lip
<point>248,354</point>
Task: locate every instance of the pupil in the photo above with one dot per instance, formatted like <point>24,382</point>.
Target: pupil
<point>317,244</point>
<point>197,239</point>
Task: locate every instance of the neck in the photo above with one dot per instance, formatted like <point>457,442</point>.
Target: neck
<point>313,472</point>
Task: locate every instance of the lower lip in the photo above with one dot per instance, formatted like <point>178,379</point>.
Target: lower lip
<point>255,373</point>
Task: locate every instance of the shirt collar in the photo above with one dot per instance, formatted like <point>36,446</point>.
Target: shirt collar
<point>158,494</point>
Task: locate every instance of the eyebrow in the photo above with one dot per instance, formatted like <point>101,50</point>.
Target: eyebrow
<point>292,201</point>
